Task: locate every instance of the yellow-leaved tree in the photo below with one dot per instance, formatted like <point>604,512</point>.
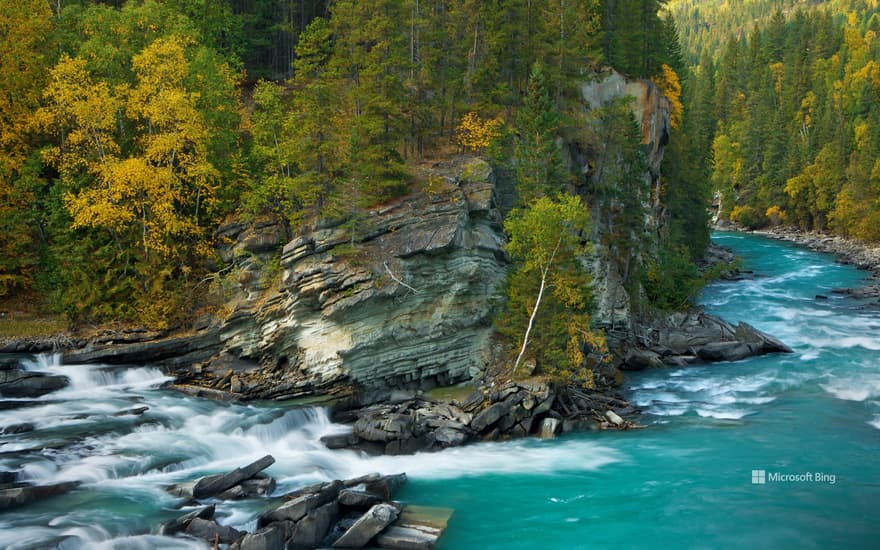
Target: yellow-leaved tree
<point>164,182</point>
<point>174,179</point>
<point>670,85</point>
<point>135,162</point>
<point>475,134</point>
<point>24,31</point>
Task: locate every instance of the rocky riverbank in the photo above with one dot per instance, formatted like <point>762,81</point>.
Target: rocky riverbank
<point>495,412</point>
<point>847,251</point>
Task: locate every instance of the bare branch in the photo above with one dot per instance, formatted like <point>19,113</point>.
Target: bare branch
<point>396,280</point>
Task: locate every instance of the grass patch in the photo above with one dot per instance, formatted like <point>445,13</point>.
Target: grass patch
<point>448,393</point>
<point>27,326</point>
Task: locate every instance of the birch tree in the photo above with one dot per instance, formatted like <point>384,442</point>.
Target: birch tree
<point>545,240</point>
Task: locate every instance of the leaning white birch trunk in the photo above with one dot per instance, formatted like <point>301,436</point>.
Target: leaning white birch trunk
<point>544,272</point>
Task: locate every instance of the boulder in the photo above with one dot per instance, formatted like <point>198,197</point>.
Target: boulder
<point>211,531</point>
<point>260,485</point>
<point>267,538</point>
<point>638,359</point>
<point>19,496</point>
<point>19,383</point>
<point>768,344</point>
<point>181,490</point>
<point>451,434</point>
<point>179,524</point>
<point>726,351</point>
<point>326,491</point>
<point>311,530</point>
<point>357,499</point>
<point>340,441</point>
<point>489,416</point>
<point>301,502</point>
<point>212,485</point>
<point>379,426</point>
<point>293,510</point>
<point>614,418</point>
<point>368,526</point>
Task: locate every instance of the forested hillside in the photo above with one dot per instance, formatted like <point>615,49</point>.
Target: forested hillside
<point>706,25</point>
<point>131,130</point>
<point>790,111</point>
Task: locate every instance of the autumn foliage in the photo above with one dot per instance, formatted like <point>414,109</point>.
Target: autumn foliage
<point>670,86</point>
<point>475,134</point>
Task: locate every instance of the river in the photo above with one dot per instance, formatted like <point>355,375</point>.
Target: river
<point>809,421</point>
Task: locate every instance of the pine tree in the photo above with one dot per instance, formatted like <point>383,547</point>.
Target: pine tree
<point>540,169</point>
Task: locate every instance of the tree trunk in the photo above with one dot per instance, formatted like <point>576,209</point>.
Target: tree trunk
<point>544,273</point>
<point>522,351</point>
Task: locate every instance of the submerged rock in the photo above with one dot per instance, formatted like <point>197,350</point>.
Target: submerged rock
<point>180,523</point>
<point>23,427</point>
<point>417,528</point>
<point>20,496</point>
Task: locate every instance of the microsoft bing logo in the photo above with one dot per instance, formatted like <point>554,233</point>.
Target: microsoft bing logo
<point>759,477</point>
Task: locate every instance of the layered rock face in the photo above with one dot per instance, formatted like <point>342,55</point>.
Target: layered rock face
<point>411,307</point>
<point>403,298</point>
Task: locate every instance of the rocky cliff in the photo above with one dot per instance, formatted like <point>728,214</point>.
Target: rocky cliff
<point>403,299</point>
<point>652,112</point>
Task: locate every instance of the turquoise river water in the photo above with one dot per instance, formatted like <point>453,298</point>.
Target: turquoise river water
<point>810,421</point>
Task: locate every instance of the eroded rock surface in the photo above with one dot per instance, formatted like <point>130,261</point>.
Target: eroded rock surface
<point>410,306</point>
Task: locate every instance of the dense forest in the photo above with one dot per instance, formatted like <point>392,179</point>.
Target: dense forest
<point>706,25</point>
<point>791,114</point>
<point>131,130</point>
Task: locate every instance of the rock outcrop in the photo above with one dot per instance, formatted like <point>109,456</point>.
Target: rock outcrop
<point>651,110</point>
<point>401,298</point>
<point>410,306</point>
<point>695,337</point>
